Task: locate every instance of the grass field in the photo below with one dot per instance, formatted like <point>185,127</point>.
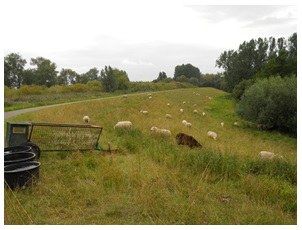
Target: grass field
<point>152,180</point>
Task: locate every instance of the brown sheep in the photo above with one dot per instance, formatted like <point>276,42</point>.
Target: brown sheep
<point>184,139</point>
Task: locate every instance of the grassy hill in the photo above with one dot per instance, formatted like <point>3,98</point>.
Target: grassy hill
<point>152,180</point>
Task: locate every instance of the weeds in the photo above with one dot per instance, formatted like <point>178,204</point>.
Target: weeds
<point>152,180</point>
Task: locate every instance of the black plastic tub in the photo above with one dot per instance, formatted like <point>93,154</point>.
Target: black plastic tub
<point>18,157</point>
<point>21,175</point>
<point>19,148</point>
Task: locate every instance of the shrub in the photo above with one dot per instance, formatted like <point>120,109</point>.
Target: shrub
<point>272,103</point>
<point>241,87</point>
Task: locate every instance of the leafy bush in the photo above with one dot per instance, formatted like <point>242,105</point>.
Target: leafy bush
<point>272,103</point>
<point>239,89</point>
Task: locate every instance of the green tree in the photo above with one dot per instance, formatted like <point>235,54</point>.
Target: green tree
<point>67,77</point>
<point>162,76</point>
<point>108,80</point>
<point>45,72</point>
<point>13,70</point>
<point>211,80</point>
<point>187,70</point>
<point>90,75</point>
<point>122,79</point>
<point>259,58</point>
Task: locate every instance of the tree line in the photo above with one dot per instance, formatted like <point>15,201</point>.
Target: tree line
<point>43,72</point>
<point>262,76</point>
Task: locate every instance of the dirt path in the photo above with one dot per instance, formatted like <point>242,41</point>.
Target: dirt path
<point>14,113</point>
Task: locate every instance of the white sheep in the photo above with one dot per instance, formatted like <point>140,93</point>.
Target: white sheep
<point>168,104</point>
<point>212,135</point>
<point>181,110</point>
<point>222,124</point>
<point>203,113</point>
<point>184,102</point>
<point>162,132</point>
<point>144,112</point>
<point>265,155</point>
<point>125,96</point>
<point>187,124</point>
<point>86,119</point>
<point>195,105</point>
<point>236,123</point>
<point>195,111</point>
<point>168,116</point>
<point>123,125</point>
<point>150,97</point>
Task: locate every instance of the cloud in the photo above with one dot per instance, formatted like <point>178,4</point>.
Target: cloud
<point>244,13</point>
<point>271,21</point>
<point>139,62</point>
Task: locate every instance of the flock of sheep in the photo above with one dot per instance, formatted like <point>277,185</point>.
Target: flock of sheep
<point>181,138</point>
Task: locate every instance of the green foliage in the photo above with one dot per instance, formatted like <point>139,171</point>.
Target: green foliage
<point>45,72</point>
<point>260,57</point>
<point>109,82</point>
<point>271,103</point>
<point>67,77</point>
<point>240,88</point>
<point>187,70</point>
<point>211,80</point>
<point>13,70</point>
<point>162,76</point>
<point>121,78</point>
<point>91,75</point>
<point>114,79</point>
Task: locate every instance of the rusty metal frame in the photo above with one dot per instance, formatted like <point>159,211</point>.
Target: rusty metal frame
<point>33,124</point>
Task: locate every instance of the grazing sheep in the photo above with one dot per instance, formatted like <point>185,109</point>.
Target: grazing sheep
<point>203,113</point>
<point>195,105</point>
<point>212,135</point>
<point>195,111</point>
<point>184,102</point>
<point>168,104</point>
<point>144,112</point>
<point>222,124</point>
<point>125,96</point>
<point>236,123</point>
<point>181,110</point>
<point>187,124</point>
<point>265,155</point>
<point>150,97</point>
<point>161,132</point>
<point>86,119</point>
<point>184,139</point>
<point>168,116</point>
<point>123,125</point>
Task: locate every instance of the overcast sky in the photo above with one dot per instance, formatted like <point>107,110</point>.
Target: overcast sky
<point>141,37</point>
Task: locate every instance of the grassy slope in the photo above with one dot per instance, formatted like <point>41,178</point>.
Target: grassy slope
<point>151,180</point>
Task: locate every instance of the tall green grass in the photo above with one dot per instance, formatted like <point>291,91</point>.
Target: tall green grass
<point>152,180</point>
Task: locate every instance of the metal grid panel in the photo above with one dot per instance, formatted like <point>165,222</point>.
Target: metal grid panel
<point>65,137</point>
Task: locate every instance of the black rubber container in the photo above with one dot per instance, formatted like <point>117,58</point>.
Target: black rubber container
<point>18,157</point>
<point>19,148</point>
<point>22,174</point>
